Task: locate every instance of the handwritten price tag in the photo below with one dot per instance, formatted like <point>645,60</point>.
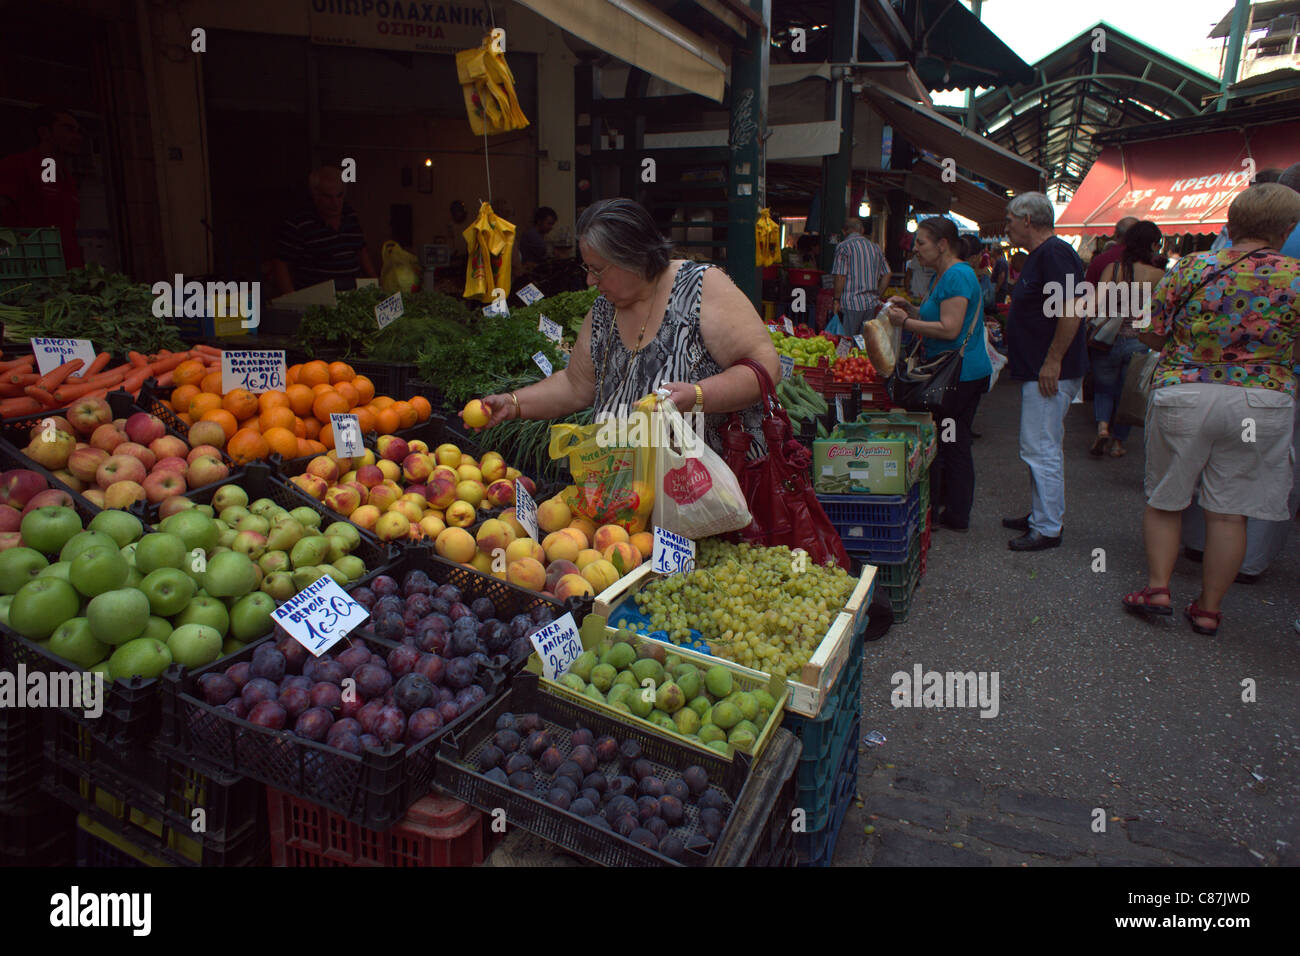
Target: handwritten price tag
<point>551,330</point>
<point>543,363</point>
<point>558,645</point>
<point>390,310</point>
<point>347,435</point>
<point>839,408</point>
<point>525,509</point>
<point>498,305</point>
<point>773,328</point>
<point>843,348</point>
<point>787,366</point>
<point>529,294</point>
<point>256,371</point>
<point>673,553</point>
<point>789,326</point>
<point>860,342</point>
<point>51,353</point>
<point>320,615</point>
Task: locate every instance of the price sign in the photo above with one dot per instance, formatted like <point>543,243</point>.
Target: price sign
<point>51,353</point>
<point>558,645</point>
<point>530,294</point>
<point>551,330</point>
<point>389,311</point>
<point>347,435</point>
<point>843,348</point>
<point>673,553</point>
<point>787,366</point>
<point>256,371</point>
<point>773,328</point>
<point>789,326</point>
<point>319,615</point>
<point>525,509</point>
<point>839,408</point>
<point>543,363</point>
<point>498,306</point>
<point>860,342</point>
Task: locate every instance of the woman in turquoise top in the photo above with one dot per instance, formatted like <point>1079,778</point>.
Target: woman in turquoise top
<point>949,316</point>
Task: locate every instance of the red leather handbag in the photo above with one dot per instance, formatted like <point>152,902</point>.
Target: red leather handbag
<point>778,487</point>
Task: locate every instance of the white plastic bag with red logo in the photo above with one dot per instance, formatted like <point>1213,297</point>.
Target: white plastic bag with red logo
<point>697,493</point>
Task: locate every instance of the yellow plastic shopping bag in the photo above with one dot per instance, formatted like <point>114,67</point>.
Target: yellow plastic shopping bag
<point>767,240</point>
<point>612,465</point>
<point>491,241</point>
<point>400,271</point>
<point>489,87</point>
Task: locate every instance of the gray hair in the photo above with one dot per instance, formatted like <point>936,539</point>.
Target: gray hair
<point>624,233</point>
<point>1289,177</point>
<point>853,224</point>
<point>1124,225</point>
<point>1034,205</point>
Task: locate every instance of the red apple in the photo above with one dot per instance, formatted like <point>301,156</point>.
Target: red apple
<point>123,494</point>
<point>163,484</point>
<point>86,415</point>
<point>18,486</point>
<point>85,462</point>
<point>107,437</point>
<point>144,428</point>
<point>10,518</point>
<point>95,496</point>
<point>169,446</point>
<point>10,539</point>
<point>121,468</point>
<point>198,451</point>
<point>206,470</point>
<point>60,424</point>
<point>136,450</point>
<point>174,504</point>
<point>170,464</point>
<point>49,498</point>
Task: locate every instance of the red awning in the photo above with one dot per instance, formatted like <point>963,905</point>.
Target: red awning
<point>1182,184</point>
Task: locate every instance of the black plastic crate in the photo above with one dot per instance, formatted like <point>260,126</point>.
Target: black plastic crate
<point>459,776</point>
<point>22,760</point>
<point>41,837</point>
<point>374,789</point>
<point>389,378</point>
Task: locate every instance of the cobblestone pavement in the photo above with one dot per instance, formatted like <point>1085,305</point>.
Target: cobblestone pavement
<point>1097,709</point>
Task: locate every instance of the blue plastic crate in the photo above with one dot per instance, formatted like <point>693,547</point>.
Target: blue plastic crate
<point>817,734</point>
<point>839,788</point>
<point>817,847</point>
<point>873,522</point>
<point>813,773</point>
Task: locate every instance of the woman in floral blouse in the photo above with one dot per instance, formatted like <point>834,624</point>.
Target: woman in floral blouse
<point>1222,399</point>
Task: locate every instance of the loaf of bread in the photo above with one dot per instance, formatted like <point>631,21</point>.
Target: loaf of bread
<point>880,344</point>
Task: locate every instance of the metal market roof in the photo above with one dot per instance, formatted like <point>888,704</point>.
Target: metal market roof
<point>1078,91</point>
<point>955,50</point>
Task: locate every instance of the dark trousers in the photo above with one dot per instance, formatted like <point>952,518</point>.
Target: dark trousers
<point>954,467</point>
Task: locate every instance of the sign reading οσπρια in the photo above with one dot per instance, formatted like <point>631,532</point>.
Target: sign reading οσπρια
<point>320,615</point>
<point>673,553</point>
<point>389,310</point>
<point>525,509</point>
<point>255,371</point>
<point>51,353</point>
<point>346,428</point>
<point>558,645</point>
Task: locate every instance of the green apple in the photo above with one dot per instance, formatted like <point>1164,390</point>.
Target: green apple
<point>207,510</point>
<point>351,565</point>
<point>231,646</point>
<point>128,552</point>
<point>118,616</point>
<point>122,526</point>
<point>230,574</point>
<point>259,523</point>
<point>158,628</point>
<point>307,517</point>
<point>6,600</point>
<point>101,668</point>
<point>143,657</point>
<point>49,529</point>
<point>194,645</point>
<point>339,577</point>
<point>193,527</point>
<point>161,550</point>
<point>18,566</point>
<point>310,551</point>
<point>348,531</point>
<point>279,585</point>
<point>250,618</point>
<point>133,577</point>
<point>73,641</point>
<point>81,541</point>
<point>229,496</point>
<point>97,570</point>
<point>59,569</point>
<point>41,605</point>
<point>168,591</point>
<point>204,609</point>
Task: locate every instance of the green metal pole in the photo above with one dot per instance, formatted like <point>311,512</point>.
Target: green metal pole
<point>976,7</point>
<point>1236,36</point>
<point>745,177</point>
<point>837,169</point>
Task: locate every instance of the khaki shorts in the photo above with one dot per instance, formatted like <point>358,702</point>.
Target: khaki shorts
<point>1236,442</point>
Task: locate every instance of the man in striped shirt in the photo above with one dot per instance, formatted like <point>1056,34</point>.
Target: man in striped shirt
<point>321,243</point>
<point>861,274</point>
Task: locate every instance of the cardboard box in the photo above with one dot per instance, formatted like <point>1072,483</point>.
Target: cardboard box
<point>884,467</point>
<point>923,421</point>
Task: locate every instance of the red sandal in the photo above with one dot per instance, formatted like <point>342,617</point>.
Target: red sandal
<point>1193,612</point>
<point>1139,602</point>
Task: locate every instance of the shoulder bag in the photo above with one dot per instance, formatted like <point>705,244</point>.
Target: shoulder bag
<point>928,385</point>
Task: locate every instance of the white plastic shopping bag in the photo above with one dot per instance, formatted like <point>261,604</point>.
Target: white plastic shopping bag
<point>697,494</point>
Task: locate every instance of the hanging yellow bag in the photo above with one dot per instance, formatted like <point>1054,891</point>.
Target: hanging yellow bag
<point>491,242</point>
<point>400,271</point>
<point>767,240</point>
<point>489,87</point>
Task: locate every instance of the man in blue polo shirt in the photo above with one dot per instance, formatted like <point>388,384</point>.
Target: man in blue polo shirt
<point>322,242</point>
<point>1047,353</point>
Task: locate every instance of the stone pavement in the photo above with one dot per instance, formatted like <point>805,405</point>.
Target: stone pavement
<point>1096,708</point>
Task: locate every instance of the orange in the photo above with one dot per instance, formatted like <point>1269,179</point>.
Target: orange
<point>276,417</point>
<point>406,412</point>
<point>222,418</point>
<point>365,388</point>
<point>272,399</point>
<point>211,383</point>
<point>282,441</point>
<point>291,374</point>
<point>311,426</point>
<point>304,447</point>
<point>299,427</point>
<point>388,421</point>
<point>181,396</point>
<point>381,401</point>
<point>350,394</point>
<point>316,447</point>
<point>341,372</point>
<point>422,408</point>
<point>189,372</point>
<point>326,436</point>
<point>185,417</point>
<point>366,419</point>
<point>203,402</point>
<point>300,399</point>
<point>247,445</point>
<point>321,389</point>
<point>327,403</point>
<point>241,403</point>
<point>314,373</point>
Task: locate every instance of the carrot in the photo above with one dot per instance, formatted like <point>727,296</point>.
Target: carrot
<point>167,379</point>
<point>40,394</point>
<point>11,391</point>
<point>137,360</point>
<point>97,366</point>
<point>105,380</point>
<point>168,363</point>
<point>27,361</point>
<point>210,350</point>
<point>136,379</point>
<point>12,407</point>
<point>21,378</point>
<point>54,378</point>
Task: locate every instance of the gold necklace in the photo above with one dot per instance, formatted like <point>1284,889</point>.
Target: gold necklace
<point>640,335</point>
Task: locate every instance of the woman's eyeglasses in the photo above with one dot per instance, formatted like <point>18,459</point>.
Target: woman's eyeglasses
<point>595,273</point>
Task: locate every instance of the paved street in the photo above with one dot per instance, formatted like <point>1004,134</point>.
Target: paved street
<point>1097,708</point>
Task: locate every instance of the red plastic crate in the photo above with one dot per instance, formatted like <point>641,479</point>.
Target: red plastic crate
<point>437,831</point>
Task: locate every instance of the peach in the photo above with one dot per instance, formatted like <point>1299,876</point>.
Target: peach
<point>469,473</point>
<point>123,494</point>
<point>447,454</point>
<point>417,445</point>
<point>198,451</point>
<point>392,526</point>
<point>431,525</point>
<point>169,446</point>
<point>644,542</point>
<point>407,509</point>
<point>461,514</point>
<point>493,534</point>
<point>391,470</point>
<point>455,544</point>
<point>585,557</point>
<point>383,497</point>
<point>553,514</point>
<point>440,490</point>
<point>316,487</point>
<point>370,476</point>
<point>527,573</point>
<point>417,467</point>
<point>577,535</point>
<point>481,562</point>
<point>415,497</point>
<point>510,519</point>
<point>324,468</point>
<point>512,474</point>
<point>471,491</point>
<point>342,499</point>
<point>560,546</point>
<point>628,557</point>
<point>574,585</point>
<point>608,534</point>
<point>601,574</point>
<point>362,491</point>
<point>525,547</point>
<point>493,467</point>
<point>365,516</point>
<point>392,447</point>
<point>585,525</point>
<point>207,433</point>
<point>501,494</point>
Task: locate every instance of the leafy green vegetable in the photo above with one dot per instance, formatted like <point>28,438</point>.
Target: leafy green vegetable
<point>471,366</point>
<point>566,308</point>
